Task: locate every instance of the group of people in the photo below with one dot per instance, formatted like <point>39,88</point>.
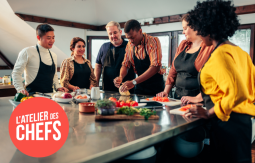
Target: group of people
<point>206,68</point>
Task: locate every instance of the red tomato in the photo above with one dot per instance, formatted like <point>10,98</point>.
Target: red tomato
<point>127,104</point>
<point>122,103</point>
<point>113,99</point>
<point>117,104</point>
<point>147,99</point>
<point>135,103</point>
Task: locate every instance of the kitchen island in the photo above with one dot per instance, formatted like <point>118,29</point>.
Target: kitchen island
<point>99,141</point>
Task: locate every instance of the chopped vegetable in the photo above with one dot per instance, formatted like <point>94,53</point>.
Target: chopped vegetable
<point>161,99</point>
<point>185,108</point>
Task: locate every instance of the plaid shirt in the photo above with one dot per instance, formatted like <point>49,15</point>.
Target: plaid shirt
<point>153,49</point>
<point>67,71</point>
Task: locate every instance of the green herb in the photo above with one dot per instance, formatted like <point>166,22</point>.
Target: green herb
<point>127,110</point>
<point>130,111</point>
<point>146,113</point>
<point>105,104</point>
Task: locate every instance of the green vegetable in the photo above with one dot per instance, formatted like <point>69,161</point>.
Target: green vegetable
<point>130,111</point>
<point>107,104</point>
<point>19,96</point>
<point>126,110</point>
<point>146,113</point>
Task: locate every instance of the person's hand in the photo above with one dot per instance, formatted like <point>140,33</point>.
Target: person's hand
<point>62,89</point>
<point>197,111</point>
<point>75,88</point>
<point>127,86</point>
<point>162,94</point>
<point>24,92</point>
<point>117,81</point>
<point>189,99</point>
<point>91,86</point>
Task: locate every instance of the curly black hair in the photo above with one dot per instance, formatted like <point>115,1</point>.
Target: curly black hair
<point>216,18</point>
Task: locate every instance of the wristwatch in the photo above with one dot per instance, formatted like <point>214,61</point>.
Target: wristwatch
<point>134,82</point>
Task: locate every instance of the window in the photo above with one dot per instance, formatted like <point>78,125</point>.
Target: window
<point>181,37</point>
<point>164,41</point>
<point>95,47</point>
<point>242,38</point>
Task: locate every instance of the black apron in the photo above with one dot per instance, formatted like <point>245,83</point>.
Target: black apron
<point>44,79</point>
<point>229,141</point>
<point>111,69</point>
<point>151,86</point>
<point>81,75</point>
<point>186,80</point>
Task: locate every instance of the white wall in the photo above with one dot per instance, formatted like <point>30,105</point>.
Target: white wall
<point>5,72</point>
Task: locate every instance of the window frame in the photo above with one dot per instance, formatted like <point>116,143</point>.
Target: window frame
<point>252,43</point>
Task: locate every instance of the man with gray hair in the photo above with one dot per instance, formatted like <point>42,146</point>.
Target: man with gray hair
<point>110,57</point>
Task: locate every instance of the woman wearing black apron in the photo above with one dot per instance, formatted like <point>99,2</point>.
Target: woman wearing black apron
<point>227,84</point>
<point>76,71</point>
<point>189,58</point>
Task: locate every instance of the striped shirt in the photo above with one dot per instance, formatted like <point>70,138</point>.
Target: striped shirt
<point>153,49</point>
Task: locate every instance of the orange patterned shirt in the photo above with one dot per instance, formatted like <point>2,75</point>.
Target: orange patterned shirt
<point>153,49</point>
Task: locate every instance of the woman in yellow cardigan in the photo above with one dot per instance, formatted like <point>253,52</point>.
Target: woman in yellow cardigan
<point>226,82</point>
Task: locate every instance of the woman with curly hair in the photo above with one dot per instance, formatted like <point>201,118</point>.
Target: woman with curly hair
<point>76,72</point>
<point>190,56</point>
<point>227,82</point>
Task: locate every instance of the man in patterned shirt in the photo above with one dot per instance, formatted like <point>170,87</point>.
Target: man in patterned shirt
<point>144,53</point>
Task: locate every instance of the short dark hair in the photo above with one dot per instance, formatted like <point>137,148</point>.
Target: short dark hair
<point>216,18</point>
<point>132,24</point>
<point>42,29</point>
<point>74,42</point>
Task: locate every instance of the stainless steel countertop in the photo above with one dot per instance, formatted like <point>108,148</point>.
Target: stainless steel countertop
<point>91,141</point>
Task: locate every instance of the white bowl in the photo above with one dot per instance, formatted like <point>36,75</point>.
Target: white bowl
<point>82,100</point>
<point>14,103</point>
<point>63,100</point>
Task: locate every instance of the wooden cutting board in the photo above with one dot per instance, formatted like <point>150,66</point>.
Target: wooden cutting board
<point>123,117</point>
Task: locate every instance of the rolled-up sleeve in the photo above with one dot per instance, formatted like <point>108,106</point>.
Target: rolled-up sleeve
<point>155,52</point>
<point>64,73</point>
<point>126,62</point>
<point>171,77</point>
<point>229,81</point>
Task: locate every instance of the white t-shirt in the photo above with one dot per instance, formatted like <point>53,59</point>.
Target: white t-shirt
<point>28,62</point>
